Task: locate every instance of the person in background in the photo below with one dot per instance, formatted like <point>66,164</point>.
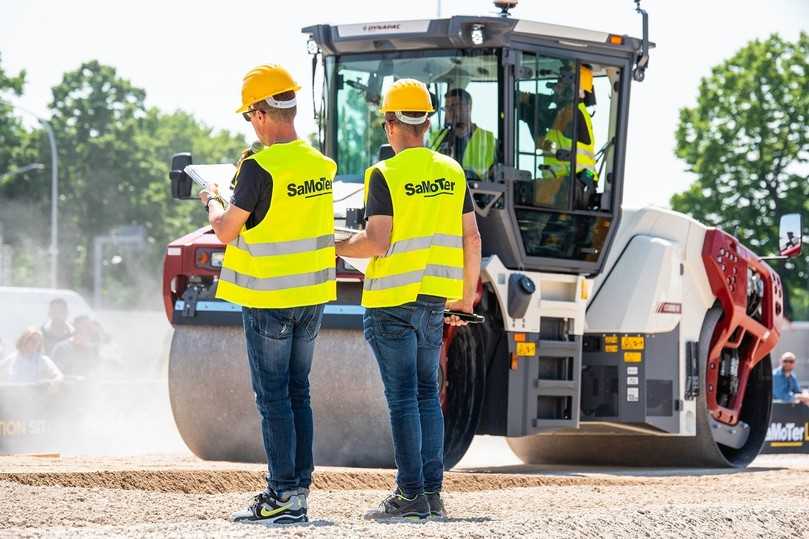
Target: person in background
<point>29,365</point>
<point>78,355</point>
<point>785,385</point>
<point>56,329</point>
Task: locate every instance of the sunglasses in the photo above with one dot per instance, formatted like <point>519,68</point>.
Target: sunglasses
<point>788,361</point>
<point>248,113</point>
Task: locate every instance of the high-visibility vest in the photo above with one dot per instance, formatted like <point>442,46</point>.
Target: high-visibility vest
<point>478,156</point>
<point>287,260</point>
<point>425,256</point>
<point>585,153</point>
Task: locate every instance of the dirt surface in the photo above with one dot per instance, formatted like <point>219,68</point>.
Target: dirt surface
<point>158,496</point>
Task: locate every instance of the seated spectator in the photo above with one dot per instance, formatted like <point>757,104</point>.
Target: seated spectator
<point>785,386</point>
<point>78,355</point>
<point>56,329</point>
<point>29,365</point>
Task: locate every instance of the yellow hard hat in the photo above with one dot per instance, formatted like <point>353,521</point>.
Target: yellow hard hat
<point>586,78</point>
<point>407,95</point>
<point>265,81</point>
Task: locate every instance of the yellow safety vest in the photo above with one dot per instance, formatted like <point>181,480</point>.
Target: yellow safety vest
<point>585,153</point>
<point>287,260</point>
<point>478,156</point>
<point>425,256</point>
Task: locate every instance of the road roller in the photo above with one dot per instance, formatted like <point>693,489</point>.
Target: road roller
<point>612,336</point>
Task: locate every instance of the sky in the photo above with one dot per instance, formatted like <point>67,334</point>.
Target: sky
<point>191,55</point>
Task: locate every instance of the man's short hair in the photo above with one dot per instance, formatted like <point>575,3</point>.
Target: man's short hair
<point>286,115</point>
<point>58,301</point>
<point>418,129</point>
<point>787,355</point>
<point>464,96</point>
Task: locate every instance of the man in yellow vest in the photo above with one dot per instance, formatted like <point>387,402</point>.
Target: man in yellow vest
<point>424,245</point>
<point>469,144</point>
<point>279,266</point>
<point>552,129</point>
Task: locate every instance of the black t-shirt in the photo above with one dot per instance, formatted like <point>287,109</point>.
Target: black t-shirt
<point>253,192</point>
<point>380,203</point>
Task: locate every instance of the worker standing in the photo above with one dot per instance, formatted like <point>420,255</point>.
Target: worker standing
<point>279,266</point>
<point>424,245</point>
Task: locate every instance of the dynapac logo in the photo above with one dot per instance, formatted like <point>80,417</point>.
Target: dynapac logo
<point>309,188</point>
<point>380,27</point>
<point>433,188</point>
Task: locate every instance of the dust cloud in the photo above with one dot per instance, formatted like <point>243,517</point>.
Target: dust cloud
<point>121,408</point>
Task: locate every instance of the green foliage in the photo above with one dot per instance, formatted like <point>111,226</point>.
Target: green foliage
<point>114,156</point>
<point>12,133</point>
<point>747,141</point>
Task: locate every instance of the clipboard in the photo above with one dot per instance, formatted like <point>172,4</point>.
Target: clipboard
<point>342,233</point>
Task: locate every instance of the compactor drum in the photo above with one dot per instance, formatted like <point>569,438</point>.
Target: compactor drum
<point>611,336</point>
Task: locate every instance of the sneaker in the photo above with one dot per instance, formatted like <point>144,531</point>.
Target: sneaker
<point>268,508</point>
<point>399,506</point>
<point>436,504</point>
<point>303,496</point>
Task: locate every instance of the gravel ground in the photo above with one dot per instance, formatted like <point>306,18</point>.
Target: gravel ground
<point>769,499</point>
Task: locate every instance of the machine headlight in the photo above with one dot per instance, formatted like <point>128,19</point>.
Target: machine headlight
<point>477,34</point>
<point>217,258</point>
<point>311,47</point>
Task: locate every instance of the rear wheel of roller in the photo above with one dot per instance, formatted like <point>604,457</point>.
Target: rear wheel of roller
<point>464,379</point>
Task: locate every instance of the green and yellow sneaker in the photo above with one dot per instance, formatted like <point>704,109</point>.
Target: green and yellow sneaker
<point>269,508</point>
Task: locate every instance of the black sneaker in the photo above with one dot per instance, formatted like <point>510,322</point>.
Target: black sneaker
<point>268,508</point>
<point>436,504</point>
<point>399,506</point>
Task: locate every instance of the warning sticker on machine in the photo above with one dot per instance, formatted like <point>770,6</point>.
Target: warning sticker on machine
<point>526,349</point>
<point>633,343</point>
<point>610,348</point>
<point>610,339</point>
<point>633,357</point>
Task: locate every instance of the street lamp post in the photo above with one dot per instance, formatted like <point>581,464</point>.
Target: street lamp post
<point>54,247</point>
<point>54,250</point>
<point>21,170</point>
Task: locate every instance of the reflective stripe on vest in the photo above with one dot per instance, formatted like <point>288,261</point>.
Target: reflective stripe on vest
<point>585,153</point>
<point>287,260</point>
<point>478,156</point>
<point>426,249</point>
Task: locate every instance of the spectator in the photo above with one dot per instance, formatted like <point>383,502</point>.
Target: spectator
<point>56,329</point>
<point>78,355</point>
<point>785,386</point>
<point>29,365</point>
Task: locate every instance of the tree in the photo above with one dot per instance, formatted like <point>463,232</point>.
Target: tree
<point>747,141</point>
<point>11,130</point>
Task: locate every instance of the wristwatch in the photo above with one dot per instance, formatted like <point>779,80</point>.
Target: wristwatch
<point>217,198</point>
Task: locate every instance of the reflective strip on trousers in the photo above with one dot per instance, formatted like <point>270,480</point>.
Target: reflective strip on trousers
<point>278,283</point>
<point>411,277</point>
<point>284,247</point>
<point>424,242</point>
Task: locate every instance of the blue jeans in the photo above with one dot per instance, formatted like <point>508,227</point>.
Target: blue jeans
<point>406,341</point>
<point>280,344</point>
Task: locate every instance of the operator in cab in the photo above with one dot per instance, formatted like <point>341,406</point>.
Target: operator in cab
<point>460,138</point>
<point>279,266</point>
<point>550,119</point>
<point>424,245</point>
